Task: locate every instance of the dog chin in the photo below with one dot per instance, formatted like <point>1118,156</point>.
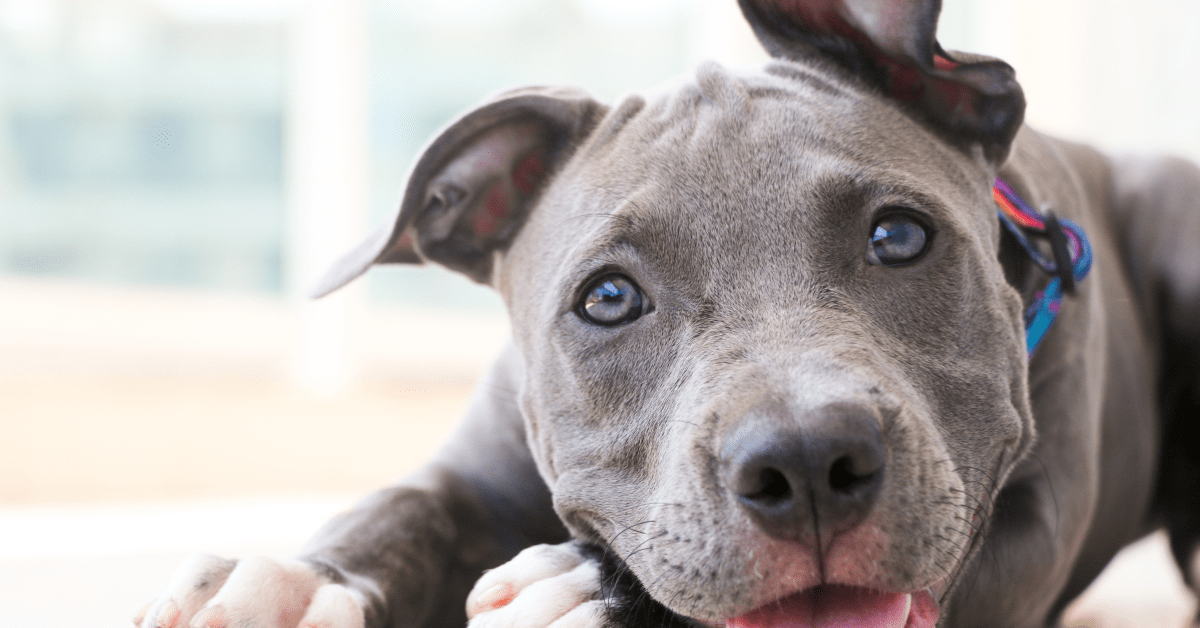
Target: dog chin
<point>842,606</point>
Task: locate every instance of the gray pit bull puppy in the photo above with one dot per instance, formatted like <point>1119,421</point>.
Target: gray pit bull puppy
<point>769,361</point>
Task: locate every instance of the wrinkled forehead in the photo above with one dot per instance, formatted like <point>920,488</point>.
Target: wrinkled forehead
<point>782,145</point>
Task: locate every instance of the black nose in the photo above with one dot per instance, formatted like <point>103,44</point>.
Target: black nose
<point>795,475</point>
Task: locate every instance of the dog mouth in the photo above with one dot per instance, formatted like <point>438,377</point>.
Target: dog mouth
<point>842,606</point>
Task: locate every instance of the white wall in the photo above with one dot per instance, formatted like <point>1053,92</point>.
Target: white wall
<point>1118,74</point>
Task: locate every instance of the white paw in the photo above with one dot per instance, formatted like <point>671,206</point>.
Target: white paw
<point>211,592</point>
<point>545,586</point>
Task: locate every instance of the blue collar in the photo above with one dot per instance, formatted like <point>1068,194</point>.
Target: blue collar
<point>1072,257</point>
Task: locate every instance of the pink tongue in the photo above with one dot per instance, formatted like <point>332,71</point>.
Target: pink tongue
<point>835,606</point>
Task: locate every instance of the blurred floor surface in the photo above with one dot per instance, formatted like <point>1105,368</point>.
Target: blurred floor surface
<point>126,393</point>
<point>93,438</point>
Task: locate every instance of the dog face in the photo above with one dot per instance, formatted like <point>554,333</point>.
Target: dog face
<point>729,224</point>
<point>768,345</point>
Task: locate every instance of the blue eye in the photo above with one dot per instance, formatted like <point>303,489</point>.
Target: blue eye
<point>611,300</point>
<point>896,239</point>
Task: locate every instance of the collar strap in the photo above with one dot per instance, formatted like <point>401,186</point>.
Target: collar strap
<point>1070,262</point>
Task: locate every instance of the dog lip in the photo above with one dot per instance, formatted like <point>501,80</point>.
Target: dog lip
<point>940,587</point>
<point>843,606</point>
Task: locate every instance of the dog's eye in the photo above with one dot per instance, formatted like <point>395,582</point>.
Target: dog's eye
<point>896,239</point>
<point>611,300</point>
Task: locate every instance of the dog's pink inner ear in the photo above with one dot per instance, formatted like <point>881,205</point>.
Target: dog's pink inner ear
<point>476,202</point>
<point>479,197</point>
<point>892,44</point>
<point>498,202</point>
<point>529,173</point>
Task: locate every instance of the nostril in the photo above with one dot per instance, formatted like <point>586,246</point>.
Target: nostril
<point>842,476</point>
<point>774,485</point>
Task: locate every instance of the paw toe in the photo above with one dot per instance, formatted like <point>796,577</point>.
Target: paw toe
<point>333,606</point>
<point>211,617</point>
<point>167,615</point>
<point>497,596</point>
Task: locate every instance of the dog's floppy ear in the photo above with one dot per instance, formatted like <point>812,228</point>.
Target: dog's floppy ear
<point>892,44</point>
<point>474,185</point>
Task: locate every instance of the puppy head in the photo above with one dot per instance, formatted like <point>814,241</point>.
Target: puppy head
<point>712,332</point>
<point>768,346</point>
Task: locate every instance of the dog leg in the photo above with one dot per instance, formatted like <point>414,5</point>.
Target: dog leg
<point>406,556</point>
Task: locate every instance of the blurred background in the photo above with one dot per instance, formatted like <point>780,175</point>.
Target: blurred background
<point>175,173</point>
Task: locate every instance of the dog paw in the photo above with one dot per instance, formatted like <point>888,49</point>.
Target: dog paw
<point>211,592</point>
<point>545,586</point>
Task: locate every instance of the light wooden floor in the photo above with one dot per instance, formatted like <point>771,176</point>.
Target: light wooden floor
<point>121,438</point>
<point>125,393</point>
